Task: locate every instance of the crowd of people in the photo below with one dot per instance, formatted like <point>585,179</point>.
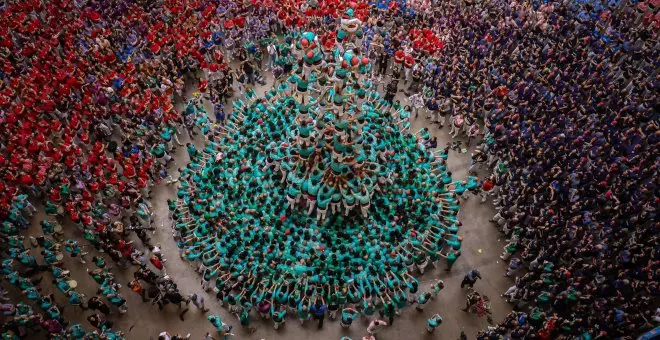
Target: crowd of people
<point>88,125</point>
<point>567,94</point>
<point>562,93</point>
<point>273,210</point>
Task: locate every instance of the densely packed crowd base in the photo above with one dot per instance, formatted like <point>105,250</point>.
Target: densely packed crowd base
<point>317,192</point>
<point>563,92</point>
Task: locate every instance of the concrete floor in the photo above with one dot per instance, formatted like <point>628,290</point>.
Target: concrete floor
<point>481,248</point>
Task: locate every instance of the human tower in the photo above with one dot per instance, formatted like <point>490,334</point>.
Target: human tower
<point>318,190</point>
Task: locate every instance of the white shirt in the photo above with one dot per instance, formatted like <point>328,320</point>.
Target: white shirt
<point>375,325</point>
<point>416,100</point>
<point>271,49</point>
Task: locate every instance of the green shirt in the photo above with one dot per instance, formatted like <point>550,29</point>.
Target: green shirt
<point>451,258</point>
<point>434,321</point>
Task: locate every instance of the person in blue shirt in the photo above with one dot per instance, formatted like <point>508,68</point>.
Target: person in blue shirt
<point>470,278</point>
<point>318,311</point>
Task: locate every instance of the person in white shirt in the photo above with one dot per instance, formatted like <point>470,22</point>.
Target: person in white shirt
<point>472,131</point>
<point>376,325</point>
<point>408,50</point>
<point>272,55</point>
<point>456,121</point>
<point>416,103</point>
<point>198,301</point>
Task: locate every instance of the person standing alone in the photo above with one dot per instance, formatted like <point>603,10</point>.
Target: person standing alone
<point>470,278</point>
<point>318,311</point>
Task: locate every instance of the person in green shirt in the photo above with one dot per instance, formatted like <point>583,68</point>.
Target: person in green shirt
<point>436,287</point>
<point>451,257</point>
<point>355,156</point>
<point>51,210</point>
<point>75,298</point>
<point>47,227</point>
<point>278,317</point>
<point>368,310</point>
<point>245,320</point>
<point>302,86</point>
<point>158,150</point>
<point>76,331</point>
<point>303,312</point>
<point>220,326</point>
<point>322,202</point>
<point>537,317</point>
<point>422,300</point>
<point>388,311</point>
<point>509,249</point>
<point>473,185</point>
<point>347,317</point>
<point>433,322</point>
<point>460,187</point>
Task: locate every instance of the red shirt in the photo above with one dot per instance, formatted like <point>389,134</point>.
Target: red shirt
<point>26,179</point>
<point>55,195</point>
<point>74,216</point>
<point>409,61</point>
<point>94,187</point>
<point>399,56</point>
<point>87,220</point>
<point>129,170</point>
<point>156,262</point>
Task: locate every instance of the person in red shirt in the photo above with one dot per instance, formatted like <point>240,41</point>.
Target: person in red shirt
<point>157,263</point>
<point>408,63</point>
<point>26,180</point>
<point>486,188</point>
<point>129,170</point>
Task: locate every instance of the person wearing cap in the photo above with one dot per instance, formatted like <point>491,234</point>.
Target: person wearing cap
<point>471,278</point>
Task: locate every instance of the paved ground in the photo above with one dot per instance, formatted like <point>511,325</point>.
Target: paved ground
<point>481,248</point>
